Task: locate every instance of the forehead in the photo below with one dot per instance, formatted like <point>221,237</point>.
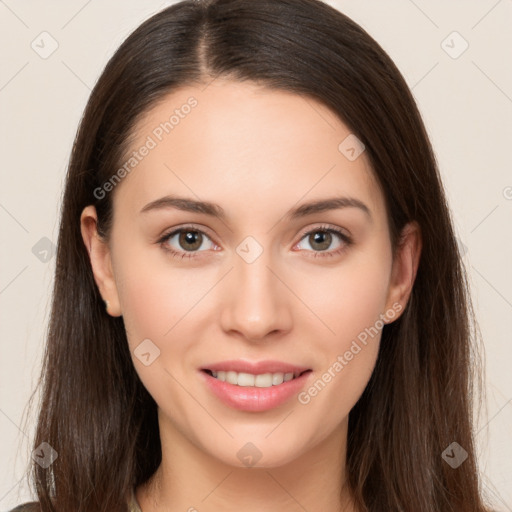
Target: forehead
<point>245,146</point>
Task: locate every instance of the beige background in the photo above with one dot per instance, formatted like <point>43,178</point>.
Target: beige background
<point>466,103</point>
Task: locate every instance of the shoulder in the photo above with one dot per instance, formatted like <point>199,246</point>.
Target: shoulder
<point>32,506</point>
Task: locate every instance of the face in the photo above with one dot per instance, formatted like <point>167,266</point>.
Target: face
<point>255,277</point>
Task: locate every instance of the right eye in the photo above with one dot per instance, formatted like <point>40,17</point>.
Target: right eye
<point>185,241</point>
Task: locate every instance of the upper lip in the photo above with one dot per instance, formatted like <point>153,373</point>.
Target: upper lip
<point>256,367</point>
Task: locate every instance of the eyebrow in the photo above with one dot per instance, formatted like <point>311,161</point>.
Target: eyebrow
<point>214,210</point>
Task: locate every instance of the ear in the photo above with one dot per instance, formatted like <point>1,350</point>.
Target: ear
<point>405,266</point>
<point>100,257</point>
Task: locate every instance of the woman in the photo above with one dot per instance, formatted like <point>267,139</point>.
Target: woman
<point>255,368</point>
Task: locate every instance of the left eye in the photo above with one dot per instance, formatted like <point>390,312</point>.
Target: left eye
<point>320,239</point>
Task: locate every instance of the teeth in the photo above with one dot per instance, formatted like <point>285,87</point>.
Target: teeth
<point>264,380</point>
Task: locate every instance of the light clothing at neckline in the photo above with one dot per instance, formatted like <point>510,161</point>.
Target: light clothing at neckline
<point>133,505</point>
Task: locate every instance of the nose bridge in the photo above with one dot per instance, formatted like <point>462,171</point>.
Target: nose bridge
<point>257,304</point>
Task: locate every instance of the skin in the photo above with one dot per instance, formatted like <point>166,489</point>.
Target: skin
<point>257,153</point>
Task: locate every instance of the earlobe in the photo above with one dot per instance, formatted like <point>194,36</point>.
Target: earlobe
<point>100,258</point>
<point>405,267</point>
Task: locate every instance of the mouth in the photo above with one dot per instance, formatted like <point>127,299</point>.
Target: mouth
<point>261,380</point>
<point>255,386</point>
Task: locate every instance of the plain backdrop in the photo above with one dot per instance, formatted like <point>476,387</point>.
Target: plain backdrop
<point>455,56</point>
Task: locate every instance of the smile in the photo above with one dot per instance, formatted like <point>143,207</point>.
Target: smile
<point>263,380</point>
<point>255,392</point>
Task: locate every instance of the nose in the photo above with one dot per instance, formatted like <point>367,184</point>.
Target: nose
<point>257,302</point>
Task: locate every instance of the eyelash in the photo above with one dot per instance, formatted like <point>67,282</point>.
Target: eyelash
<point>347,241</point>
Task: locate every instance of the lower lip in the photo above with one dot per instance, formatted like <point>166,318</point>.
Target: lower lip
<point>252,398</point>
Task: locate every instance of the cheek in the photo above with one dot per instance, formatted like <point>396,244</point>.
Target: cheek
<point>349,304</point>
<point>155,295</point>
<point>349,353</point>
<point>349,297</point>
<point>157,304</point>
<point>163,304</point>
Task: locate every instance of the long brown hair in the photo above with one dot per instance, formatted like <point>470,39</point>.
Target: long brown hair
<point>95,412</point>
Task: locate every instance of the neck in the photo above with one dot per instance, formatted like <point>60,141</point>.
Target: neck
<point>188,479</point>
